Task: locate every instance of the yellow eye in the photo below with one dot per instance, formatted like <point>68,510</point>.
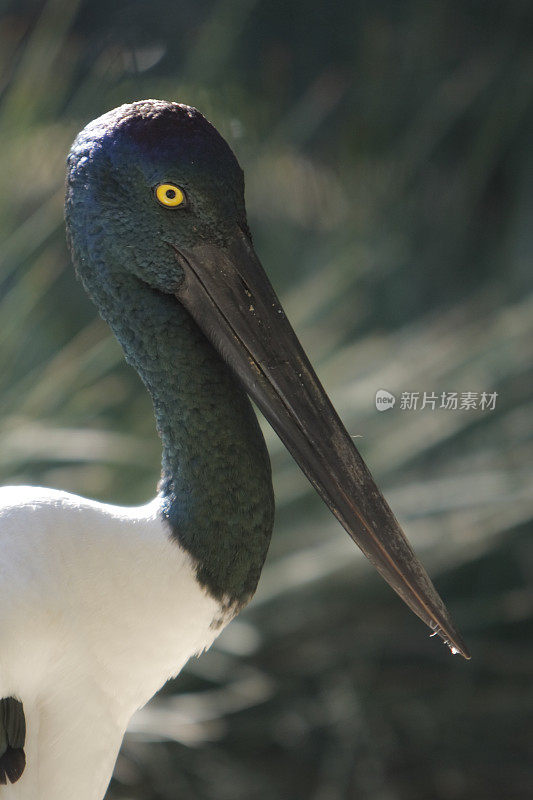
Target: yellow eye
<point>169,195</point>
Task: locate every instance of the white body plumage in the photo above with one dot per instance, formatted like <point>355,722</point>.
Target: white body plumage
<point>98,608</point>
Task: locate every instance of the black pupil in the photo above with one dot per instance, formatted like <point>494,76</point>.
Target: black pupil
<point>170,193</point>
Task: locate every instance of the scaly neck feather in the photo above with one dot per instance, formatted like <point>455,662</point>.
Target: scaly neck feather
<point>216,485</point>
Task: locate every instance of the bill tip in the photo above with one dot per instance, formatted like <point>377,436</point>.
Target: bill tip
<point>455,643</point>
<point>457,647</point>
<point>456,651</point>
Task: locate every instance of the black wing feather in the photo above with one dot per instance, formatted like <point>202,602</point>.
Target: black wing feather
<point>12,739</point>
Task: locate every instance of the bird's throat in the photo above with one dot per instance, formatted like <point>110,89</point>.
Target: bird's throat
<point>215,488</point>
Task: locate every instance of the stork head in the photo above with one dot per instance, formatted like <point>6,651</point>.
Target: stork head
<point>159,175</point>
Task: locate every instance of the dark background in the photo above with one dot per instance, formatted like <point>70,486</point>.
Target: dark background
<point>388,154</point>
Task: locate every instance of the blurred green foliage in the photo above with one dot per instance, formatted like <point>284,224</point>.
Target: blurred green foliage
<point>387,151</point>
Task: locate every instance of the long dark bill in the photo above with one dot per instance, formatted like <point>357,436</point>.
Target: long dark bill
<point>228,294</point>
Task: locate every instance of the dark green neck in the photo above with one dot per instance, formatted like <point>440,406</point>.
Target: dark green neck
<point>216,483</point>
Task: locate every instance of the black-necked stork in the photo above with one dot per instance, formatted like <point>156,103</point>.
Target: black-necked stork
<point>100,604</point>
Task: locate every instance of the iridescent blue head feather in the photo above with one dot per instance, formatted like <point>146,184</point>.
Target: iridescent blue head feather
<point>119,158</point>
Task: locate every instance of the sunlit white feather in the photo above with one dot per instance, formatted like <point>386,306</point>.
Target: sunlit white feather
<point>98,607</point>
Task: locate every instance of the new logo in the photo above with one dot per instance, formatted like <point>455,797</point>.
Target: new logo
<point>384,400</point>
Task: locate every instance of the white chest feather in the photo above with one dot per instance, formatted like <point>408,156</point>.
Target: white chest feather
<point>98,607</point>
